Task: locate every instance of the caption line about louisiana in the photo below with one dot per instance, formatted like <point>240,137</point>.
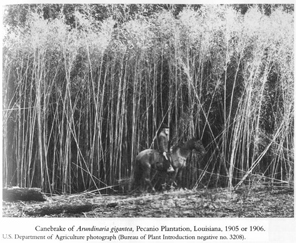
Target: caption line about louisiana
<point>205,233</point>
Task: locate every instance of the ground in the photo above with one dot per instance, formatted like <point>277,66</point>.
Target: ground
<point>202,203</point>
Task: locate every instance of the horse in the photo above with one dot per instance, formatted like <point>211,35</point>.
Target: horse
<point>149,159</point>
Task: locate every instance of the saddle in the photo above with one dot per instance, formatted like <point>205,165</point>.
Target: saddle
<point>165,164</point>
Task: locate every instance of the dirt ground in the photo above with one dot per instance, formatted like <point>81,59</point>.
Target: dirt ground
<point>261,202</point>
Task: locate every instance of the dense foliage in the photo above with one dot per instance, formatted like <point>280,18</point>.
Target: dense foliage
<point>87,87</point>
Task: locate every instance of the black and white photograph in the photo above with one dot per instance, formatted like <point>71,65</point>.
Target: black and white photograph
<point>164,113</point>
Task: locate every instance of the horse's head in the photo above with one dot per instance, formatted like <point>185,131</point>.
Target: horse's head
<point>198,146</point>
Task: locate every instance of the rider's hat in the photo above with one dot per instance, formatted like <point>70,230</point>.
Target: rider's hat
<point>164,125</point>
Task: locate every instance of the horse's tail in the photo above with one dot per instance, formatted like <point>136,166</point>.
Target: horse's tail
<point>136,174</point>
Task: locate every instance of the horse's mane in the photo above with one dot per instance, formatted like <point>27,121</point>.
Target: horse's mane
<point>180,145</point>
<point>175,147</point>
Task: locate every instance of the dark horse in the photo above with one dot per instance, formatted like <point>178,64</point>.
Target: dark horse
<point>150,159</point>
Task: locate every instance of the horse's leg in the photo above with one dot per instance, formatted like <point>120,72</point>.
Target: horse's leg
<point>147,178</point>
<point>179,178</point>
<point>173,177</point>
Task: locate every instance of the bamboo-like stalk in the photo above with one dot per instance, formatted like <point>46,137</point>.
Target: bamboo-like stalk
<point>83,100</point>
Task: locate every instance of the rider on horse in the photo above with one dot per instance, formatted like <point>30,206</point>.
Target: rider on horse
<point>163,141</point>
